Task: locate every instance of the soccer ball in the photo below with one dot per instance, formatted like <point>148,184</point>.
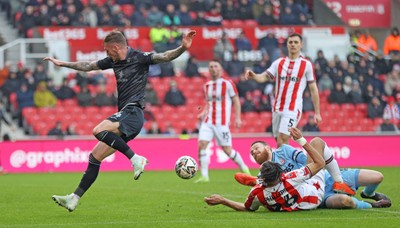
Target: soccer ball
<point>185,167</point>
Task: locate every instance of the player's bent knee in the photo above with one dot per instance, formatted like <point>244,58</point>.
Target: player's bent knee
<point>100,135</point>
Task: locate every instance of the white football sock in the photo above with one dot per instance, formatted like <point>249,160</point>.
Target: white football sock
<point>203,157</point>
<point>331,165</point>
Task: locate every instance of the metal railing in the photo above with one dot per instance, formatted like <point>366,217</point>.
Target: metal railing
<point>23,54</point>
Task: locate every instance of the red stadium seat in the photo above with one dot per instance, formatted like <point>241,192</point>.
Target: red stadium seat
<point>127,10</point>
<point>237,23</point>
<point>250,23</point>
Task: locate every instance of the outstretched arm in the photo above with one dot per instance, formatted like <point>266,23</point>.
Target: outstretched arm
<point>175,53</point>
<point>217,199</point>
<point>260,78</point>
<point>82,66</point>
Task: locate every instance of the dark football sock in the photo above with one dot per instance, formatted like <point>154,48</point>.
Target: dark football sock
<point>89,176</point>
<point>116,142</point>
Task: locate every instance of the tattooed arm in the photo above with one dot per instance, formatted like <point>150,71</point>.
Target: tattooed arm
<point>82,66</point>
<point>173,54</point>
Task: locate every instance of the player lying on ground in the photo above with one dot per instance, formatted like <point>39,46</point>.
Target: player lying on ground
<point>300,189</point>
<point>354,178</point>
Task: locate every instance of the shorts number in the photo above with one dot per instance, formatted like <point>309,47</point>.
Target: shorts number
<point>291,122</point>
<point>225,136</point>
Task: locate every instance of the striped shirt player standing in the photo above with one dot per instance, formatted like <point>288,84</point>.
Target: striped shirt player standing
<point>292,74</point>
<point>300,189</point>
<point>220,94</point>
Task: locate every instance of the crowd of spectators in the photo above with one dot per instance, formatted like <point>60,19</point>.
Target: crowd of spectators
<point>365,77</point>
<point>150,13</point>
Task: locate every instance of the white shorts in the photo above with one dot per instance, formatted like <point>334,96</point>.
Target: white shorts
<point>221,133</point>
<point>282,121</point>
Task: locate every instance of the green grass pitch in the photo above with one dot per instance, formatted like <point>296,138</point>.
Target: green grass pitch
<point>161,199</point>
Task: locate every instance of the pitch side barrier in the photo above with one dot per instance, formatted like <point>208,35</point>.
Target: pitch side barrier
<point>71,154</point>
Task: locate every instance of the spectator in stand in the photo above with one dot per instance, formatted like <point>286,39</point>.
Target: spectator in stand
<point>392,42</point>
<point>229,10</point>
<point>56,130</point>
<point>244,86</point>
<point>192,67</point>
<point>167,69</point>
<point>184,15</point>
<point>154,129</point>
<point>170,130</point>
<point>151,94</point>
<point>159,36</point>
<point>223,47</point>
<point>375,108</point>
<point>245,10</point>
<point>174,96</point>
<point>27,20</point>
<point>321,60</point>
<point>392,83</point>
<point>391,110</point>
<point>174,37</point>
<point>325,83</point>
<point>138,18</point>
<point>337,96</point>
<point>171,17</point>
<point>248,104</point>
<point>90,16</point>
<point>242,43</point>
<point>264,104</point>
<point>288,17</point>
<point>257,8</point>
<point>355,94</point>
<point>200,21</point>
<point>213,17</point>
<point>394,60</point>
<point>307,101</point>
<point>373,79</point>
<point>24,99</point>
<point>367,43</point>
<point>398,100</point>
<point>102,99</point>
<point>11,85</point>
<point>199,5</point>
<point>310,126</point>
<point>65,91</point>
<point>43,97</point>
<point>387,126</point>
<point>332,69</point>
<point>270,45</point>
<point>71,129</point>
<point>5,72</point>
<point>262,65</point>
<point>154,17</point>
<point>40,74</point>
<point>235,67</point>
<point>368,93</point>
<point>84,97</point>
<point>380,63</point>
<point>267,16</point>
<point>29,80</point>
<point>347,84</point>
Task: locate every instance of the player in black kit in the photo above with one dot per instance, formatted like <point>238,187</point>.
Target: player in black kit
<point>131,68</point>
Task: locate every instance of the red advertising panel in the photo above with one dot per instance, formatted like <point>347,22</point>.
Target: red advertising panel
<point>72,156</point>
<point>87,43</point>
<point>363,13</point>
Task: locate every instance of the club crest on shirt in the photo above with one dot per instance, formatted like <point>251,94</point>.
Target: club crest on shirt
<point>282,161</point>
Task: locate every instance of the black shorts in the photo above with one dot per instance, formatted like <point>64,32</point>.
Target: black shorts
<point>130,120</point>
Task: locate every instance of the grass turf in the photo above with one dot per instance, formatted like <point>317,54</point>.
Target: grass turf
<point>161,199</point>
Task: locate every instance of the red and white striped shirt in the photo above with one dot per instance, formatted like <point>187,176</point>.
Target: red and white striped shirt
<point>296,192</point>
<point>291,77</point>
<point>219,95</point>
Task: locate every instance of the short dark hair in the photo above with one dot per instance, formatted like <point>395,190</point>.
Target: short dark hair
<point>115,36</point>
<point>294,35</point>
<point>270,171</point>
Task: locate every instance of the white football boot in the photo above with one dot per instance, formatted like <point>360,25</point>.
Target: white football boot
<point>69,201</point>
<point>138,166</point>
